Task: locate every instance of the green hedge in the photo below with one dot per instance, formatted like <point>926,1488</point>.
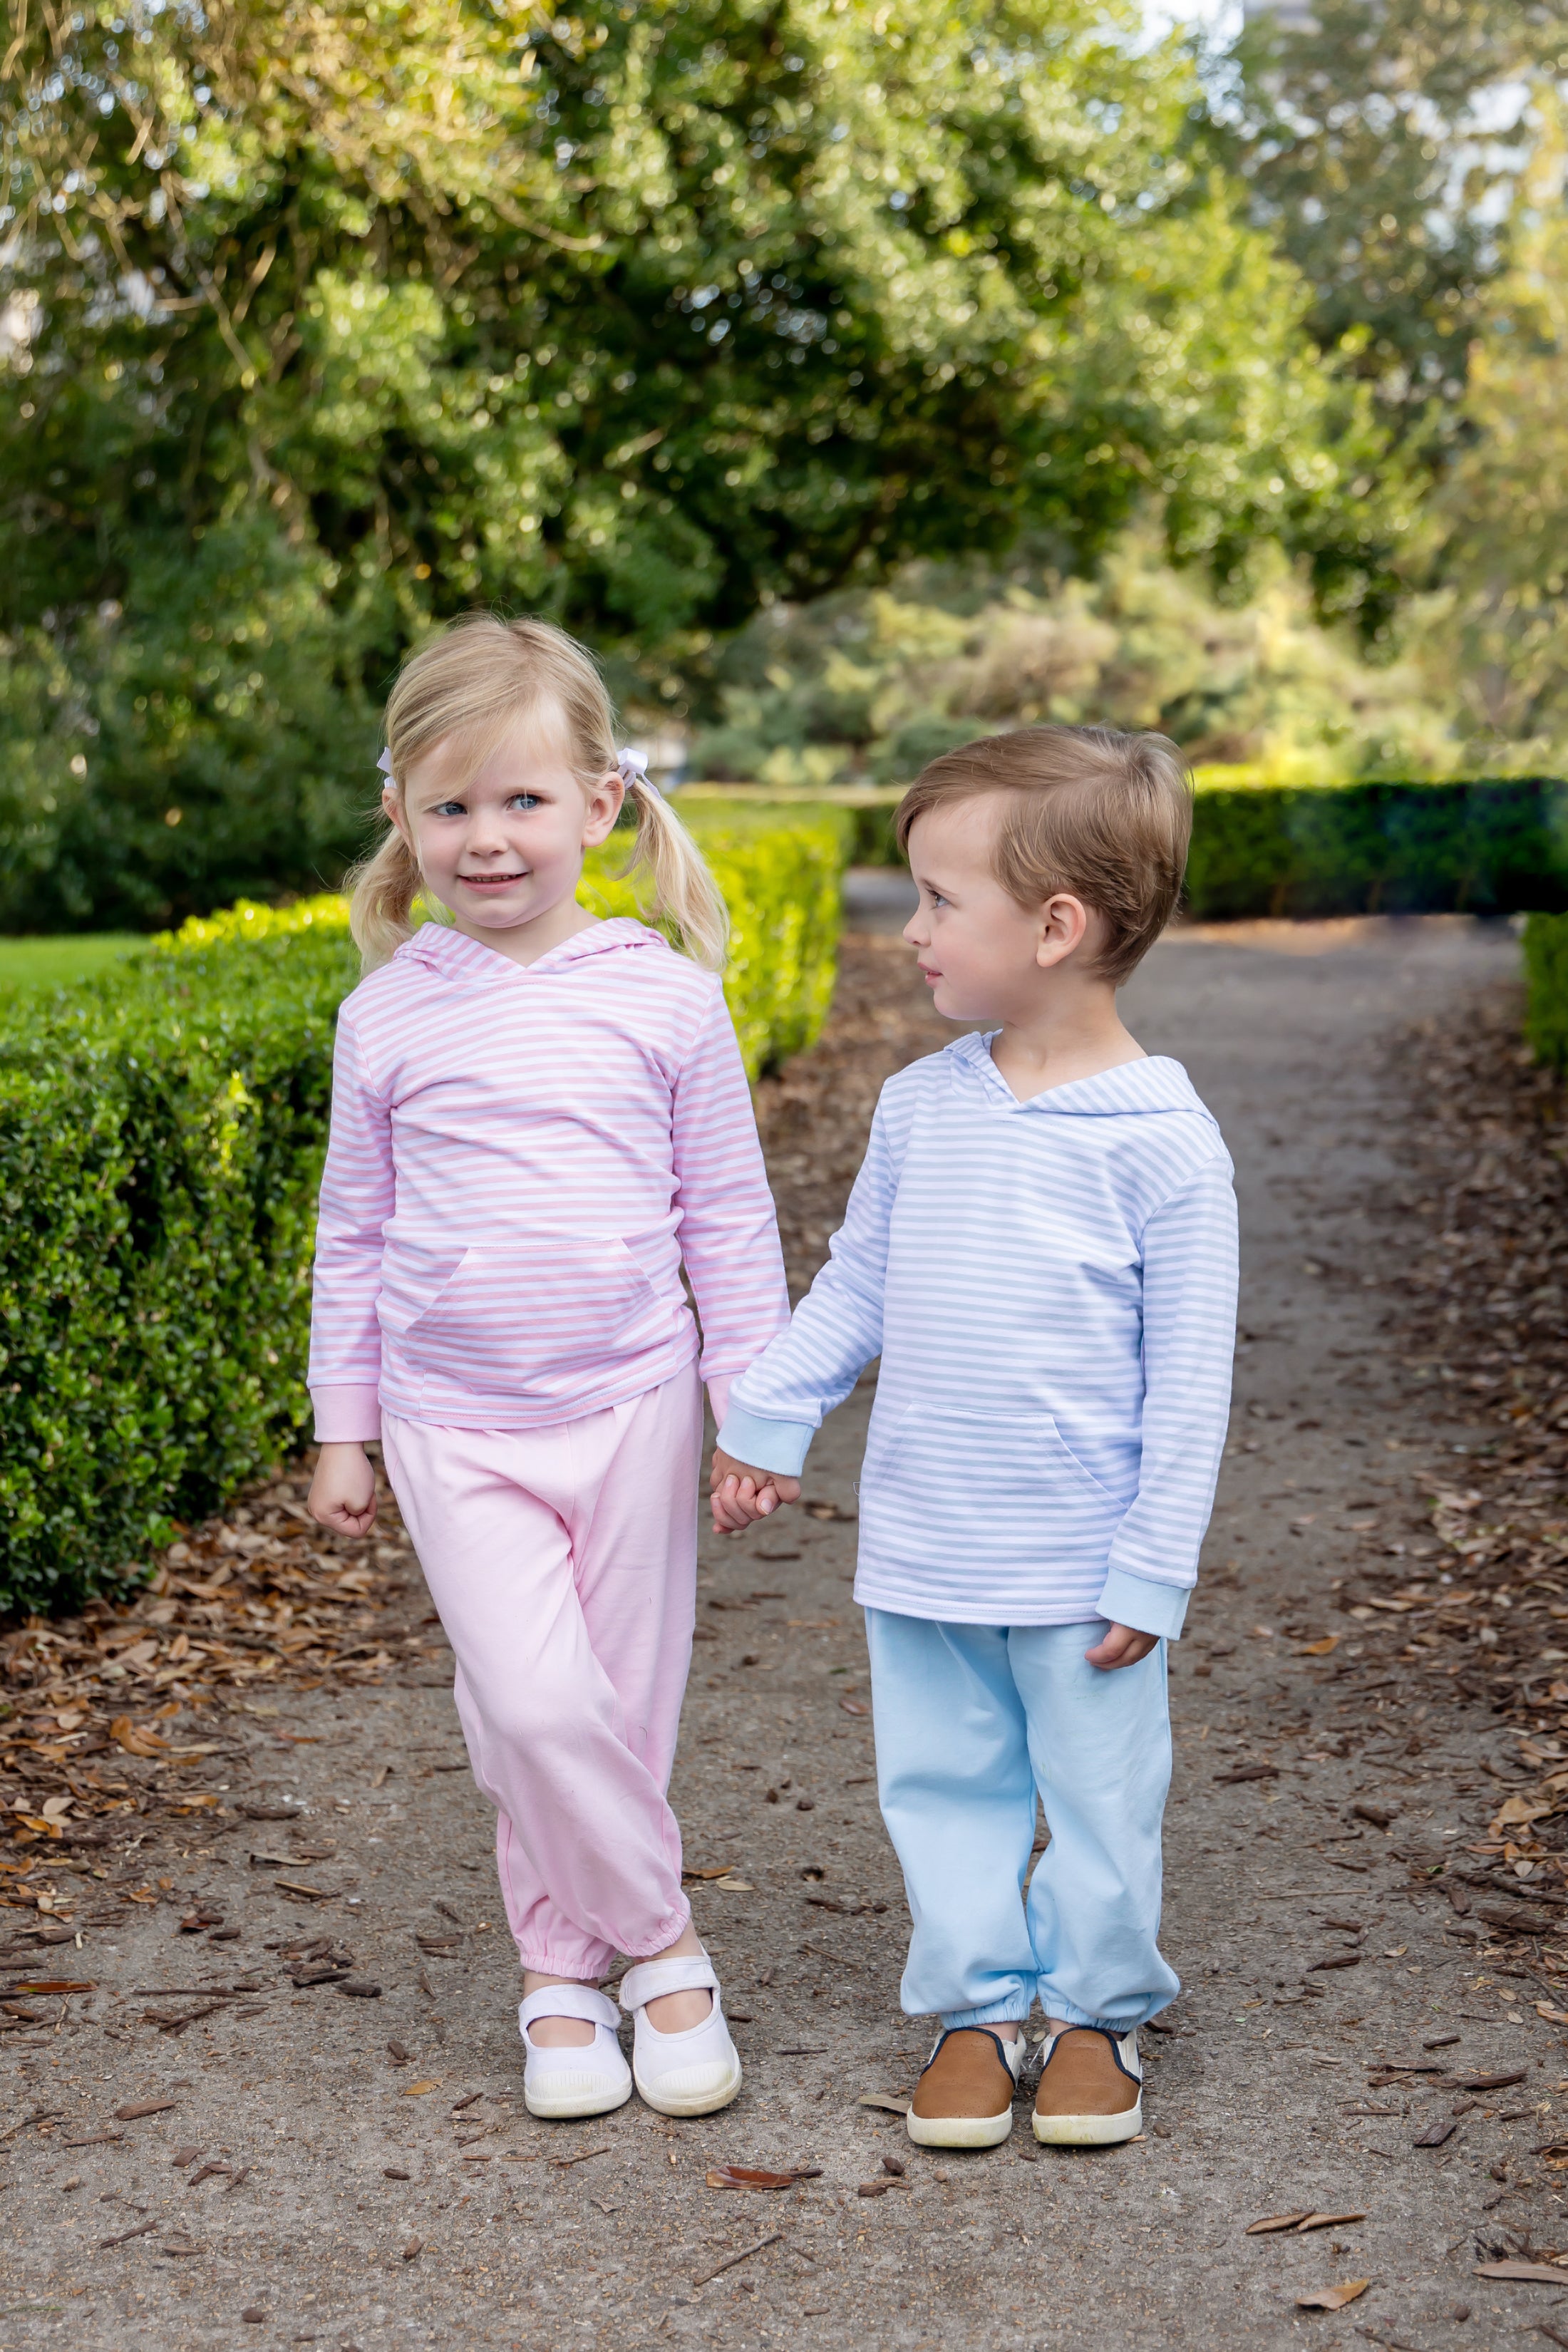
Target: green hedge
<point>1483,847</point>
<point>161,1141</point>
<point>1546,988</point>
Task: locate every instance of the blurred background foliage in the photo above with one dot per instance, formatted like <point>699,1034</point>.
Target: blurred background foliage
<point>848,371</point>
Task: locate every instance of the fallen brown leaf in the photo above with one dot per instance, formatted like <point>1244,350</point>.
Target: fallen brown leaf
<point>138,2107</point>
<point>1531,2273</point>
<point>1331,2298</point>
<point>742,2176</point>
<point>893,2102</point>
<point>1272,2222</point>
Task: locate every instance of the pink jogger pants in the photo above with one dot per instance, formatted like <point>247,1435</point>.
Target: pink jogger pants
<point>563,1564</point>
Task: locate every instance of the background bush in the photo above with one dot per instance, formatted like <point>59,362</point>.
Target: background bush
<point>1546,988</point>
<point>161,1139</point>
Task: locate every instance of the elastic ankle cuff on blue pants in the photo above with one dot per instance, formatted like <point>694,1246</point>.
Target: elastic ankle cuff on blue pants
<point>1011,2011</point>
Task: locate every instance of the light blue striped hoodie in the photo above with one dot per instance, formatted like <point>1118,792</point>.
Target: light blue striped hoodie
<point>1051,1287</point>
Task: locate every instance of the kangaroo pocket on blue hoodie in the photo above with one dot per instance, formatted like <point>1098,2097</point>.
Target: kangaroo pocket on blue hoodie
<point>940,1485</point>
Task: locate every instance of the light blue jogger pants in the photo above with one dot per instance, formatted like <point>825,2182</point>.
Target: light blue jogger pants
<point>970,1721</point>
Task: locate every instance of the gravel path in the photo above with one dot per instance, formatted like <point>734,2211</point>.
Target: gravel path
<point>360,2171</point>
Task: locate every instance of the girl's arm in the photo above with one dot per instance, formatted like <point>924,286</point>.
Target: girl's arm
<point>729,1233</point>
<point>357,1201</point>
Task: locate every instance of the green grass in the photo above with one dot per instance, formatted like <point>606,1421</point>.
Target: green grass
<point>27,965</point>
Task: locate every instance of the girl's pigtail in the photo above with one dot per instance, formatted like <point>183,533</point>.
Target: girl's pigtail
<point>683,888</point>
<point>382,892</point>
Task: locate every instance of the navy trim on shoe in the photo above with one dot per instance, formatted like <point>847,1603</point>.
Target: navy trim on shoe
<point>1109,2034</point>
<point>996,2038</point>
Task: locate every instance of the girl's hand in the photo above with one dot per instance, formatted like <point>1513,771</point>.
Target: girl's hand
<point>740,1495</point>
<point>1121,1646</point>
<point>343,1492</point>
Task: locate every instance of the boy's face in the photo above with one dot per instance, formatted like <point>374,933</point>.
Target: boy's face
<point>985,956</point>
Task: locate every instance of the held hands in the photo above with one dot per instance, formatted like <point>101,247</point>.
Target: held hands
<point>740,1495</point>
<point>343,1492</point>
<point>1121,1647</point>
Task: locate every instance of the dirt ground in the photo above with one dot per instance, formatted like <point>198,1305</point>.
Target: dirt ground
<point>346,2162</point>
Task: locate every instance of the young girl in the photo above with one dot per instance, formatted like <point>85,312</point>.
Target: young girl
<point>537,1120</point>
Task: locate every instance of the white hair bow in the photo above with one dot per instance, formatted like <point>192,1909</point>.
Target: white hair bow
<point>384,764</point>
<point>633,767</point>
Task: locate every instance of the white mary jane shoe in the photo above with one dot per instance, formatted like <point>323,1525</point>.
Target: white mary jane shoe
<point>586,2081</point>
<point>689,2073</point>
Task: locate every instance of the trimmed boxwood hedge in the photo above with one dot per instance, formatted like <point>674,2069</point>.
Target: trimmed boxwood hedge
<point>1487,847</point>
<point>1546,988</point>
<point>161,1141</point>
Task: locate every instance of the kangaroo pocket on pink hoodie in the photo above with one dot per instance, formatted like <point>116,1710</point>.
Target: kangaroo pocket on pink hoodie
<point>517,1317</point>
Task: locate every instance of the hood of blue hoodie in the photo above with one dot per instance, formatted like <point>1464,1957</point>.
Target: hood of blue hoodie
<point>441,949</point>
<point>1154,1085</point>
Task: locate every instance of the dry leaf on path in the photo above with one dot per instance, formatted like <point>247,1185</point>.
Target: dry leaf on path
<point>742,2176</point>
<point>1332,2298</point>
<point>1277,2221</point>
<point>418,2090</point>
<point>893,2103</point>
<point>1533,2273</point>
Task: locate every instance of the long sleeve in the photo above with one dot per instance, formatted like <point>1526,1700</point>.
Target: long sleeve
<point>728,1233</point>
<point>779,1404</point>
<point>1189,1345</point>
<point>357,1197</point>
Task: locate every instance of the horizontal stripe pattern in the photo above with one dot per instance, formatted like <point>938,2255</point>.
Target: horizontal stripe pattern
<point>522,1159</point>
<point>1051,1288</point>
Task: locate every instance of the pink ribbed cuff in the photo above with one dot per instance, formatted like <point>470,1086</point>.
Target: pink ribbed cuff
<point>347,1416</point>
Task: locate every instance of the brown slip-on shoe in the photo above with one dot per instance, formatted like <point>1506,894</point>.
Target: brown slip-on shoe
<point>964,2095</point>
<point>1091,2088</point>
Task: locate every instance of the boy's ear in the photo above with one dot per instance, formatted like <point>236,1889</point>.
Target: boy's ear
<point>1064,923</point>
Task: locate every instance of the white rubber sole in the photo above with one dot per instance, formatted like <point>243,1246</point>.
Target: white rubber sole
<point>959,2131</point>
<point>561,2106</point>
<point>702,2099</point>
<point>1089,2131</point>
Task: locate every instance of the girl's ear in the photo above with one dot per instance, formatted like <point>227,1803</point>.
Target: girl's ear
<point>393,810</point>
<point>603,807</point>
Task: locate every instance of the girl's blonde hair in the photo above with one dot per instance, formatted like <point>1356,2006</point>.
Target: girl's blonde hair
<point>475,679</point>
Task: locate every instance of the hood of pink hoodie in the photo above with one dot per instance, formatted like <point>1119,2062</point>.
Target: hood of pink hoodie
<point>451,955</point>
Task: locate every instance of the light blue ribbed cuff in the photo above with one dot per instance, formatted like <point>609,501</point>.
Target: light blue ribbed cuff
<point>1146,1606</point>
<point>1011,2010</point>
<point>778,1445</point>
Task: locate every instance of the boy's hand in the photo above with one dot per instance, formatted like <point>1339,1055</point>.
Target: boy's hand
<point>740,1495</point>
<point>343,1492</point>
<point>1121,1647</point>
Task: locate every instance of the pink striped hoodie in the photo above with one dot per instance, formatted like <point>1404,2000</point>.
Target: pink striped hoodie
<point>523,1157</point>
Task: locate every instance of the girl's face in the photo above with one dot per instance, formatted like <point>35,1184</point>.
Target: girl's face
<point>501,845</point>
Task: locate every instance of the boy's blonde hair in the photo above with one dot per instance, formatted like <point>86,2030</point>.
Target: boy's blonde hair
<point>474,681</point>
<point>1087,809</point>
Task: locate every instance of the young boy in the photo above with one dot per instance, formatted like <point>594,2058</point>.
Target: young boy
<point>1041,1248</point>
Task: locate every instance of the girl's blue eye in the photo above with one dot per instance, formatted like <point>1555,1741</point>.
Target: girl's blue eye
<point>448,808</point>
<point>524,801</point>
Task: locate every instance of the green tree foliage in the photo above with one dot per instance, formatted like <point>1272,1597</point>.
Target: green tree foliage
<point>326,322</point>
<point>872,683</point>
<point>1382,140</point>
<point>1501,524</point>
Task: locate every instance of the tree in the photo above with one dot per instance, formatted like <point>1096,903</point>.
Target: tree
<point>326,323</point>
<point>1500,530</point>
<point>1382,140</point>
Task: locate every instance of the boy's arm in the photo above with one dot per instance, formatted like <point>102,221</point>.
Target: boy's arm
<point>358,1193</point>
<point>729,1233</point>
<point>1189,1345</point>
<point>779,1404</point>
